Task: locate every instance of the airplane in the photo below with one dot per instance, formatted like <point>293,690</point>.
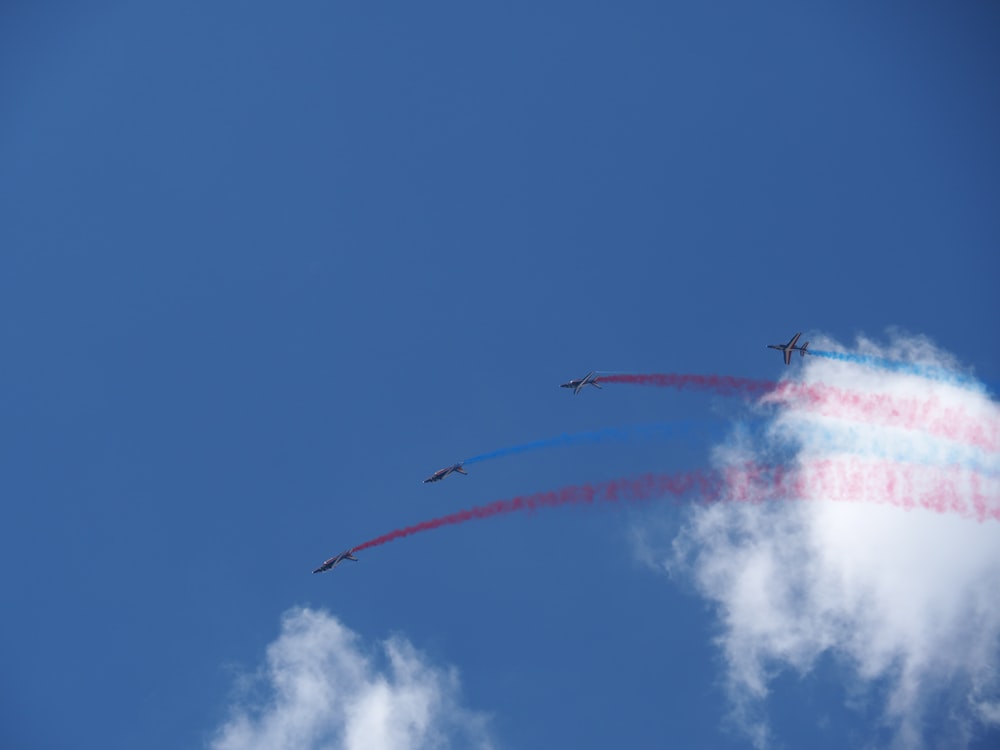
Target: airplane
<point>440,474</point>
<point>578,384</point>
<point>336,560</point>
<point>790,347</point>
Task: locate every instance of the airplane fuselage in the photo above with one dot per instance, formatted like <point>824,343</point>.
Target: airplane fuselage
<point>787,349</point>
<point>336,560</point>
<point>440,474</point>
<point>578,383</point>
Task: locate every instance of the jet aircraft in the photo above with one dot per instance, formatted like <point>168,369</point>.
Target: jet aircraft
<point>336,560</point>
<point>790,347</point>
<point>440,474</point>
<point>578,384</point>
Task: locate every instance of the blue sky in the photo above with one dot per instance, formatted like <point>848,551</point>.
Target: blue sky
<point>263,269</point>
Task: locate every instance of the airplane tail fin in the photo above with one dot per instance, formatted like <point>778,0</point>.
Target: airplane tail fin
<point>802,351</point>
<point>460,470</point>
<point>351,557</point>
<point>596,384</point>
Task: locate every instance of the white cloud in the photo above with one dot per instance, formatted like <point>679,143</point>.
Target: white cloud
<point>320,689</point>
<point>908,600</point>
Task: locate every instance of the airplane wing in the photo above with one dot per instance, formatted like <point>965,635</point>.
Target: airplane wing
<point>788,356</point>
<point>791,344</point>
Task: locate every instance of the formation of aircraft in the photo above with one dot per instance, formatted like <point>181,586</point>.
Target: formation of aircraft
<point>790,347</point>
<point>336,560</point>
<point>578,384</point>
<point>440,474</point>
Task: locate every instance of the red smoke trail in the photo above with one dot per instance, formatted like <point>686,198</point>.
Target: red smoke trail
<point>928,414</point>
<point>942,490</point>
<point>724,385</point>
<point>645,487</point>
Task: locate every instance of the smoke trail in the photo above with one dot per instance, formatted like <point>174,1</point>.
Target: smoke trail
<point>926,414</point>
<point>942,490</point>
<point>853,439</point>
<point>930,372</point>
<point>840,439</point>
<point>610,434</point>
<point>722,385</point>
<point>951,489</point>
<point>628,490</point>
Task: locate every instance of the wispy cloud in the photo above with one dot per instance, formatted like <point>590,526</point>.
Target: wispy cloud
<point>321,687</point>
<point>906,600</point>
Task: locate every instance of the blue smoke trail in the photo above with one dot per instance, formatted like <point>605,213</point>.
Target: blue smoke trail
<point>931,372</point>
<point>607,435</point>
<point>852,439</point>
<point>901,448</point>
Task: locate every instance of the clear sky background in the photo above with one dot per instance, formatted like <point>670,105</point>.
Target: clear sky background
<point>264,267</point>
